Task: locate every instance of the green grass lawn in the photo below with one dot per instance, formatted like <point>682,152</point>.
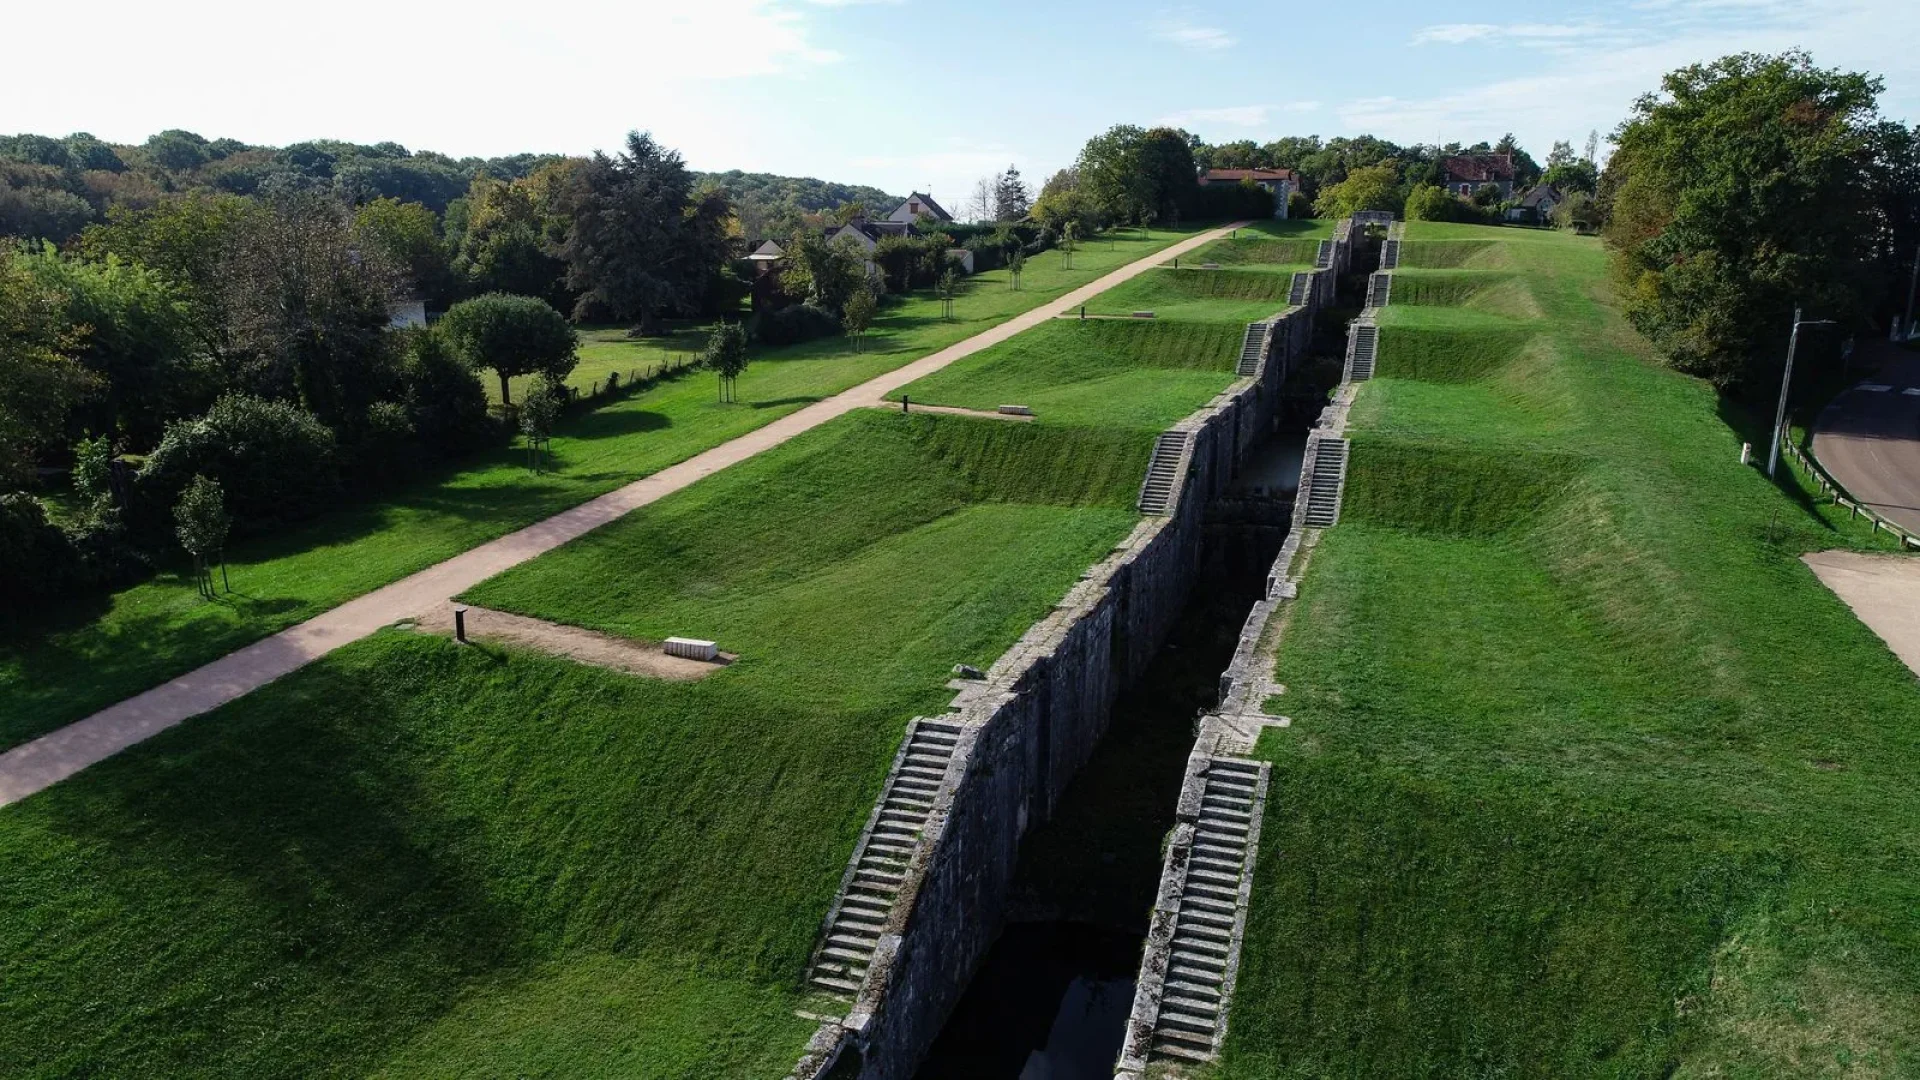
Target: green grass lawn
<point>1239,294</point>
<point>1587,774</point>
<point>60,666</point>
<point>416,859</point>
<point>1144,374</point>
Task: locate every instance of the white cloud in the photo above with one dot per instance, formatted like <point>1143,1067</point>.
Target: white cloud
<point>1188,35</point>
<point>1537,35</point>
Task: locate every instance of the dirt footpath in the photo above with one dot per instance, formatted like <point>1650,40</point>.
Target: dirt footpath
<point>585,646</point>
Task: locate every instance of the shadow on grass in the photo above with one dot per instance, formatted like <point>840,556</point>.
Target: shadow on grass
<point>325,880</point>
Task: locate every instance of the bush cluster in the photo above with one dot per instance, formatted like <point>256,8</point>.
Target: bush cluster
<point>792,325</point>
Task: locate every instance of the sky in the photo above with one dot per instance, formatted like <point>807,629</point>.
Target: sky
<point>901,94</point>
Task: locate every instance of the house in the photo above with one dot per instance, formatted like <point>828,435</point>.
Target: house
<point>1282,182</point>
<point>1537,205</point>
<point>916,207</point>
<point>1464,174</point>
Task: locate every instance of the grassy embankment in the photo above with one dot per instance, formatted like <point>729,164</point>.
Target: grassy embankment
<point>413,859</point>
<point>59,666</point>
<point>1146,373</point>
<point>1587,774</point>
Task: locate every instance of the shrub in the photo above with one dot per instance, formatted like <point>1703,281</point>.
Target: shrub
<point>792,325</point>
<point>275,461</point>
<point>1299,206</point>
<point>36,558</point>
<point>445,404</point>
<point>1230,201</point>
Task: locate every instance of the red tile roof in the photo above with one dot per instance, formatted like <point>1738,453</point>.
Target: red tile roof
<point>1234,176</point>
<point>1478,168</point>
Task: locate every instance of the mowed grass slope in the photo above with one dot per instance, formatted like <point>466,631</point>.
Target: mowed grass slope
<point>1587,774</point>
<point>416,859</point>
<point>59,666</point>
<point>1141,373</point>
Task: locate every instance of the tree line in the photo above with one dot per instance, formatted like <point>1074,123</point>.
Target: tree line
<point>247,339</point>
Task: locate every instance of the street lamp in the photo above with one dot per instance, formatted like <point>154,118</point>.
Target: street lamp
<point>1780,414</point>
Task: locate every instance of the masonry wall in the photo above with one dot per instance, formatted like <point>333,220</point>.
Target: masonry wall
<point>1030,726</point>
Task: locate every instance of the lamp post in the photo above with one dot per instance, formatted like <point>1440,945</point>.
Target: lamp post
<point>1780,414</point>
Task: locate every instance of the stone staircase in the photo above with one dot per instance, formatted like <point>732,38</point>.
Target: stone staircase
<point>1252,348</point>
<point>1390,255</point>
<point>1204,950</point>
<point>1301,288</point>
<point>1322,258</point>
<point>1379,290</point>
<point>879,863</point>
<point>1329,477</point>
<point>1157,491</point>
<point>1363,344</point>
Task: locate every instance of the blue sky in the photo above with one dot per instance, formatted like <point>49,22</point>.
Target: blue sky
<point>901,94</point>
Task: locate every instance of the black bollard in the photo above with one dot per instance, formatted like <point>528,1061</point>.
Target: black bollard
<point>460,624</point>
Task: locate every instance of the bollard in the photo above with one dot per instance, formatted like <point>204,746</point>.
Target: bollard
<point>460,624</point>
<point>1083,313</point>
<point>904,402</point>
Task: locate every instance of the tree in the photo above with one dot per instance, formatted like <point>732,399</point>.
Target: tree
<point>39,380</point>
<point>1016,262</point>
<point>407,235</point>
<point>824,273</point>
<point>946,289</point>
<point>1567,173</point>
<point>639,244</point>
<point>858,316</point>
<point>1429,203</point>
<point>201,523</point>
<point>1374,187</point>
<point>726,356</point>
<point>306,310</point>
<point>1062,202</point>
<point>139,342</point>
<point>186,240</point>
<point>1577,212</point>
<point>538,414</point>
<point>1010,199</point>
<point>981,202</point>
<point>1129,172</point>
<point>1737,193</point>
<point>513,335</point>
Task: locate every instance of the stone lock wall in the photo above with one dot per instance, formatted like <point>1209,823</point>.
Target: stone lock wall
<point>1030,725</point>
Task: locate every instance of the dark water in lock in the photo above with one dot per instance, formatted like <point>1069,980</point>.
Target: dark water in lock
<point>1050,1002</point>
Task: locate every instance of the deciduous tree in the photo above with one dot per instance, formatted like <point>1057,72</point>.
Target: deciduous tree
<point>726,356</point>
<point>513,335</point>
<point>1740,194</point>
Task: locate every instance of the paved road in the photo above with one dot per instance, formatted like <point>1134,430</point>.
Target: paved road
<point>53,757</point>
<point>1869,437</point>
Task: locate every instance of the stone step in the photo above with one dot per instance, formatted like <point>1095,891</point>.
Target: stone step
<point>859,956</point>
<point>1213,966</point>
<point>1218,866</point>
<point>1190,1005</point>
<point>1211,905</point>
<point>1191,1040</point>
<point>1178,1021</point>
<point>1162,1049</point>
<point>850,938</point>
<point>1195,991</point>
<point>1197,931</point>
<point>834,984</point>
<point>1186,942</point>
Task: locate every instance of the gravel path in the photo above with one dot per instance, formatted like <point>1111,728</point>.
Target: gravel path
<point>51,758</point>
